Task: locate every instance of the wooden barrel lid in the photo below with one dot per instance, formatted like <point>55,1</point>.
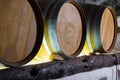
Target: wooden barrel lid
<point>107,29</point>
<point>17,30</point>
<point>69,28</point>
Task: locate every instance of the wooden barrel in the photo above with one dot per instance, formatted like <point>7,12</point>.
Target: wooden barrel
<point>64,24</point>
<point>70,28</point>
<point>101,28</point>
<point>20,35</point>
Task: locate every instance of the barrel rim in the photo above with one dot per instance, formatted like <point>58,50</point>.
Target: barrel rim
<point>83,20</point>
<point>113,12</point>
<point>39,36</point>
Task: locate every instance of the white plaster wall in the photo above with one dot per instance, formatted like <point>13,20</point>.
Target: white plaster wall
<point>100,74</point>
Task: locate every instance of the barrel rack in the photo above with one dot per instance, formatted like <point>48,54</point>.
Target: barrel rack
<point>61,68</point>
<point>58,69</point>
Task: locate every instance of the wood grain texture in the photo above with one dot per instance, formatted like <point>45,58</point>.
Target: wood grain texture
<point>17,30</point>
<point>69,28</point>
<point>107,28</point>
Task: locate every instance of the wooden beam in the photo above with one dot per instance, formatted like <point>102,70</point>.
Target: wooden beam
<point>58,69</point>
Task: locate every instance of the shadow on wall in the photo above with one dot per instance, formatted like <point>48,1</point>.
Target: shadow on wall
<point>117,46</point>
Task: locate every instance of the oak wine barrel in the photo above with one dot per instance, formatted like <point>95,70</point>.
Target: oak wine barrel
<point>65,29</point>
<point>101,23</point>
<point>21,31</point>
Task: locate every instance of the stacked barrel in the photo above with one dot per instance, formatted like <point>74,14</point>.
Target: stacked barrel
<point>41,29</point>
